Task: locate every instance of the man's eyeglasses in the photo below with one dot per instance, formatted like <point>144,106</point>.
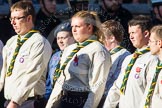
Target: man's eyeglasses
<point>16,18</point>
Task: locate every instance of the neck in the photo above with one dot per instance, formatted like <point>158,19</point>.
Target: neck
<point>26,31</point>
<point>144,46</point>
<point>113,45</point>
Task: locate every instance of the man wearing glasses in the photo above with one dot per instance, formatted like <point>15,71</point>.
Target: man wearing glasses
<point>153,91</point>
<point>25,59</point>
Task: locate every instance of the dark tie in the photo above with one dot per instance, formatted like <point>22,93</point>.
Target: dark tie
<point>19,44</point>
<point>153,84</point>
<point>129,67</point>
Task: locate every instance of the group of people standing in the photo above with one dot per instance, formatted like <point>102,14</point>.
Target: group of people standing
<point>91,70</point>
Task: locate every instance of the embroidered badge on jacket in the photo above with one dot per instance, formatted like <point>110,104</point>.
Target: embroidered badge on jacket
<point>21,60</point>
<point>138,70</point>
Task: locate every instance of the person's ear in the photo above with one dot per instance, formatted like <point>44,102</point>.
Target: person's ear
<point>112,38</point>
<point>29,18</point>
<point>90,27</point>
<point>160,43</point>
<point>146,33</point>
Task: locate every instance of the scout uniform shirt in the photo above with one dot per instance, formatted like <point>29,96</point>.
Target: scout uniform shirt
<point>29,72</point>
<point>87,71</point>
<point>156,100</point>
<point>135,85</point>
<point>117,59</point>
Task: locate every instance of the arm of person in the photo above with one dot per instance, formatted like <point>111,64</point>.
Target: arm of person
<point>97,78</point>
<point>48,86</point>
<point>113,96</point>
<point>12,104</point>
<point>56,94</point>
<point>4,68</point>
<point>39,56</point>
<point>115,70</point>
<point>51,69</point>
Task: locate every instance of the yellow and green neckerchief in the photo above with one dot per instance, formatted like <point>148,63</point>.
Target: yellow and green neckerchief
<point>19,44</point>
<point>129,67</point>
<point>74,51</point>
<point>153,84</point>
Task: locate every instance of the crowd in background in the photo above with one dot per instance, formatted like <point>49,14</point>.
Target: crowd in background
<point>111,40</point>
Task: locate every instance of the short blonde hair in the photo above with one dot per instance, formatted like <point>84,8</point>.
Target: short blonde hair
<point>157,30</point>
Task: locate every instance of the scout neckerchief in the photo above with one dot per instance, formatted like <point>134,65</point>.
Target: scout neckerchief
<point>129,67</point>
<point>153,83</point>
<point>19,44</point>
<point>58,65</point>
<point>115,50</point>
<point>74,51</point>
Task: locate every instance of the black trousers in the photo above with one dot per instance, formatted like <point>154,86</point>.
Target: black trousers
<point>71,99</point>
<point>30,103</point>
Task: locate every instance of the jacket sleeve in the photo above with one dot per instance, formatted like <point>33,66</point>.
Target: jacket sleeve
<point>113,96</point>
<point>97,78</point>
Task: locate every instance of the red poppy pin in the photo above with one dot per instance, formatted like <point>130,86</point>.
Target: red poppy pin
<point>138,69</point>
<point>76,61</point>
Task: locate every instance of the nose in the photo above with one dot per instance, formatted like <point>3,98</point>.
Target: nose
<point>54,2</point>
<point>130,35</point>
<point>13,22</point>
<point>73,29</point>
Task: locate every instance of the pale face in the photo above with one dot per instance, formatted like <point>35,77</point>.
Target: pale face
<point>50,5</point>
<point>112,4</point>
<point>138,38</point>
<point>158,13</point>
<point>80,30</point>
<point>108,42</point>
<point>153,43</point>
<point>20,22</point>
<point>64,39</point>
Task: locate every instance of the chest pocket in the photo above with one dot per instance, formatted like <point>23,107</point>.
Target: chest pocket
<point>80,64</point>
<point>9,51</point>
<point>23,56</point>
<point>138,72</point>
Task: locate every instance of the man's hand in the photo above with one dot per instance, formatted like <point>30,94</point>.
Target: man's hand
<point>12,104</point>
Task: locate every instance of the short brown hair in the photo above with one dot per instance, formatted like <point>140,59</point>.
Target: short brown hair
<point>27,6</point>
<point>112,27</point>
<point>143,21</point>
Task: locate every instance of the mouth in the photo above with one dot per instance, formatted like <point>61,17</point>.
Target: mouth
<point>14,27</point>
<point>61,45</point>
